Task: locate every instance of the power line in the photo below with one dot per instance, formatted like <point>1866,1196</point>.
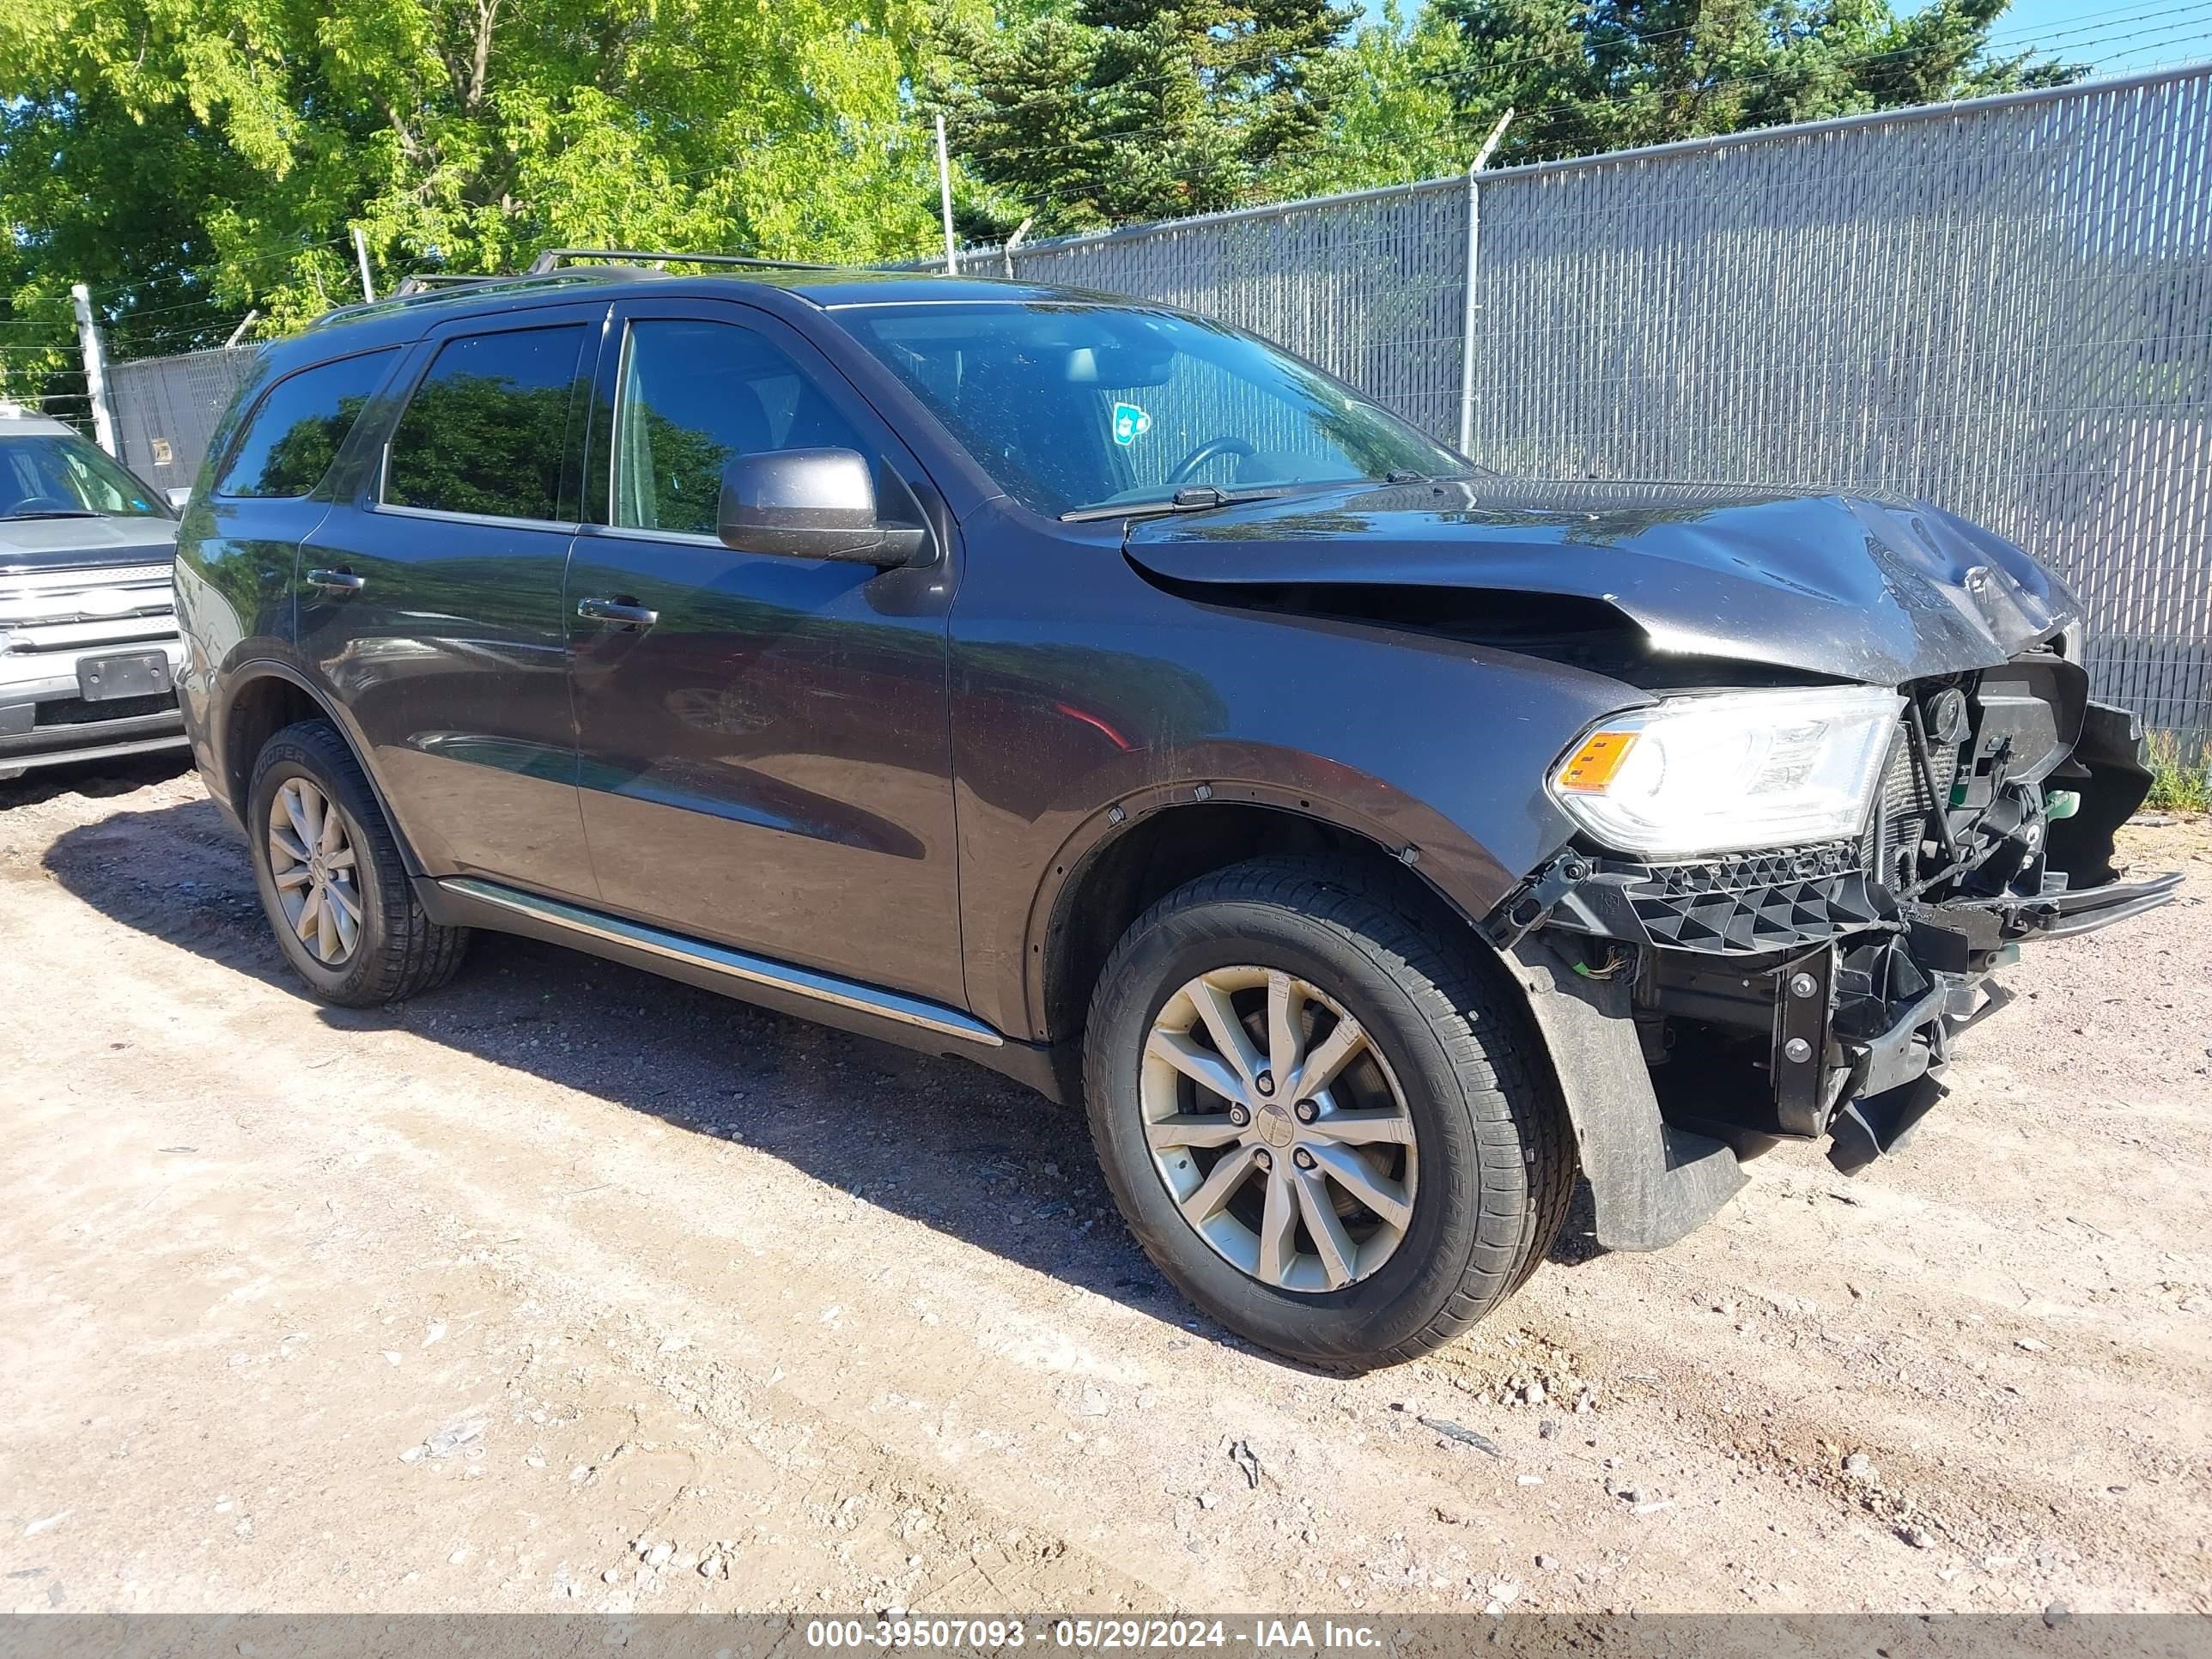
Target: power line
<point>266,260</point>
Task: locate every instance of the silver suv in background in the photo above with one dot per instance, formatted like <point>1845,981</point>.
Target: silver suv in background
<point>88,648</point>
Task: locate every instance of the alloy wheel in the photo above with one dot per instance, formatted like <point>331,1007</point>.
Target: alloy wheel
<point>312,860</point>
<point>1281,1135</point>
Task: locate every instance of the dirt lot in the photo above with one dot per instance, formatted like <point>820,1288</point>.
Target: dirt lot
<point>474,1303</point>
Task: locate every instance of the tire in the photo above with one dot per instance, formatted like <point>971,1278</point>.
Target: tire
<point>1490,1144</point>
<point>396,950</point>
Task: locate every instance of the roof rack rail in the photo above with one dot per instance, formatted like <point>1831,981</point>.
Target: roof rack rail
<point>551,260</point>
<point>423,281</point>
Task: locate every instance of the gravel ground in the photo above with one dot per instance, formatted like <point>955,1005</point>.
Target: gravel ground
<point>570,1287</point>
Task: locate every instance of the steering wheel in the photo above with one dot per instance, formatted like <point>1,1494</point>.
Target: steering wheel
<point>1211,448</point>
<point>44,504</point>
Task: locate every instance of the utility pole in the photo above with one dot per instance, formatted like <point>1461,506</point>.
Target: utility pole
<point>1466,320</point>
<point>360,253</point>
<point>944,199</point>
<point>95,368</point>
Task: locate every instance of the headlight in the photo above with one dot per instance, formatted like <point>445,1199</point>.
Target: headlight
<point>1730,771</point>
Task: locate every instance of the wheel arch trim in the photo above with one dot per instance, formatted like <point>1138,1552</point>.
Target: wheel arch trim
<point>1075,859</point>
<point>247,674</point>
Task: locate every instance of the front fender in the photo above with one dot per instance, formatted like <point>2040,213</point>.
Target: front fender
<point>1065,709</point>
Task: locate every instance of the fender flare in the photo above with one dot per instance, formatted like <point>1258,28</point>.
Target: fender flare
<point>1064,871</point>
<point>261,668</point>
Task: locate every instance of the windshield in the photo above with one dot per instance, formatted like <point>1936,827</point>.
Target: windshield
<point>1076,407</point>
<point>57,475</point>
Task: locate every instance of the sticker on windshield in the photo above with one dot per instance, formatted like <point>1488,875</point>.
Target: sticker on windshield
<point>1130,423</point>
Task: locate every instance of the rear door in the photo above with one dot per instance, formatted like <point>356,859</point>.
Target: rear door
<point>432,602</point>
<point>766,761</point>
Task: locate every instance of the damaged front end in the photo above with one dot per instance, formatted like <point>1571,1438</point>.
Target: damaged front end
<point>1814,990</point>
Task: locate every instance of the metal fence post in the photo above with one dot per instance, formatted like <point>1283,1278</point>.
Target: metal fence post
<point>95,368</point>
<point>360,254</point>
<point>944,200</point>
<point>1467,319</point>
<point>1015,241</point>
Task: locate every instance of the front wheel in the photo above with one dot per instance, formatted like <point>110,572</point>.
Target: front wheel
<point>1336,1135</point>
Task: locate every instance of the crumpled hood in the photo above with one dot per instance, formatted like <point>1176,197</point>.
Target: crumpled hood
<point>70,544</point>
<point>1863,588</point>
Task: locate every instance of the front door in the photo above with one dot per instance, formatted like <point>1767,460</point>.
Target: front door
<point>764,756</point>
<point>432,601</point>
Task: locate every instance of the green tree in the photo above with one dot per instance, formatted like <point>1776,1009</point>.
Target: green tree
<point>1388,115</point>
<point>1103,112</point>
<point>1588,75</point>
<point>191,158</point>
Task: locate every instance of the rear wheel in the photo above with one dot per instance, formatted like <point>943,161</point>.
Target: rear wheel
<point>332,879</point>
<point>1336,1135</point>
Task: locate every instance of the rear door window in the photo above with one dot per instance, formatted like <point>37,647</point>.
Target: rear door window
<point>487,431</point>
<point>294,435</point>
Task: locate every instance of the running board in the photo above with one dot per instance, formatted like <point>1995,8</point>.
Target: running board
<point>724,962</point>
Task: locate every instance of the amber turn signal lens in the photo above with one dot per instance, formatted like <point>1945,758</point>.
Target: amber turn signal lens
<point>1592,766</point>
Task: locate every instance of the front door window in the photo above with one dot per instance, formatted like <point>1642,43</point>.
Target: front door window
<point>694,397</point>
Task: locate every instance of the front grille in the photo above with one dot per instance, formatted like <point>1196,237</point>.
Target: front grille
<point>74,609</point>
<point>70,737</point>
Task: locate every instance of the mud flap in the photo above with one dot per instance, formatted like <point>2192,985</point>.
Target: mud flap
<point>1652,1182</point>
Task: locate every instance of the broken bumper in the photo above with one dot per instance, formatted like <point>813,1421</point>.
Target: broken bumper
<point>1810,1002</point>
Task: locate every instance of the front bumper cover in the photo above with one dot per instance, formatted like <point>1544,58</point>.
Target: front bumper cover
<point>45,722</point>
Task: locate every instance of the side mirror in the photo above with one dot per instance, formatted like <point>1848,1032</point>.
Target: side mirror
<point>811,504</point>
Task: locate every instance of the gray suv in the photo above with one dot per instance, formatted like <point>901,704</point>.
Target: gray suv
<point>88,648</point>
<point>1368,842</point>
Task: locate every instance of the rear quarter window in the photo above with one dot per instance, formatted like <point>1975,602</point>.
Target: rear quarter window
<point>295,431</point>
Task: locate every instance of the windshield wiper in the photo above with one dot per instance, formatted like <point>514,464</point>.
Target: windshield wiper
<point>1191,498</point>
<point>53,512</point>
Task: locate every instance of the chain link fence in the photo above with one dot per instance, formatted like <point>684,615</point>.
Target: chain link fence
<point>2004,306</point>
<point>168,408</point>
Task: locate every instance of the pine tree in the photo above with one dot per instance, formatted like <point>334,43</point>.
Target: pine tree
<point>1588,75</point>
<point>1119,110</point>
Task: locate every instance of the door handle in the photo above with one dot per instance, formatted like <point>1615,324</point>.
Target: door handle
<point>337,581</point>
<point>617,613</point>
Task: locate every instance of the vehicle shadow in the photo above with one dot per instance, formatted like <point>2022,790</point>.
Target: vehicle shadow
<point>940,1141</point>
<point>94,778</point>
